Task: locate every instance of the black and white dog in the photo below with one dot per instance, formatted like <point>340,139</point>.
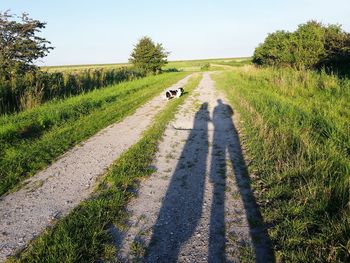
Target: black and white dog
<point>169,94</point>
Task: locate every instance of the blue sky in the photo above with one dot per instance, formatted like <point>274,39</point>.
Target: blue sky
<point>89,32</point>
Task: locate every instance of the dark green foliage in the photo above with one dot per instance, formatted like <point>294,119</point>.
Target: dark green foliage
<point>28,90</point>
<point>337,48</point>
<point>308,45</point>
<point>19,44</point>
<point>312,45</point>
<point>276,50</point>
<point>148,57</point>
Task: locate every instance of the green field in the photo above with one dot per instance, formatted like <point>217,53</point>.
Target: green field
<point>197,65</point>
<point>181,65</point>
<point>32,139</point>
<point>296,127</point>
<point>76,68</point>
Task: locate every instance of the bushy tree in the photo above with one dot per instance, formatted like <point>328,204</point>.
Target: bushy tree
<point>276,50</point>
<point>308,45</point>
<point>148,57</point>
<point>312,45</point>
<point>19,44</point>
<point>337,48</point>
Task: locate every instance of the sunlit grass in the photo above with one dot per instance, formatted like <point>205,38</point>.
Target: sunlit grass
<point>297,130</point>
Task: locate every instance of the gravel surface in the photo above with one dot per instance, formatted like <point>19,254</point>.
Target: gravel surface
<point>195,207</point>
<point>55,191</point>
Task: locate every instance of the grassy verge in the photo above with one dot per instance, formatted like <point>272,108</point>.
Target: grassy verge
<point>83,235</point>
<point>32,139</point>
<point>297,133</point>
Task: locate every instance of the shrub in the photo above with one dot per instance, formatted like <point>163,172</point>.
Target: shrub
<point>206,66</point>
<point>312,46</point>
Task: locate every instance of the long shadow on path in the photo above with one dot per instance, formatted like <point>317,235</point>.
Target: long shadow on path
<point>227,149</point>
<point>182,205</point>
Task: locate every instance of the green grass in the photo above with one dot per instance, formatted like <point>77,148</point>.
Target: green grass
<point>83,235</point>
<point>32,139</point>
<point>297,130</point>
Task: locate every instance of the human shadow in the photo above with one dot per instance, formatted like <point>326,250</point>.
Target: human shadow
<point>227,149</point>
<point>181,208</point>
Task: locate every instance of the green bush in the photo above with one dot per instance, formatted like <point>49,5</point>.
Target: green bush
<point>312,46</point>
<point>205,66</point>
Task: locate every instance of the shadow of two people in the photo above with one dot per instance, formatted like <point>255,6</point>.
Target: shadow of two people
<point>182,206</point>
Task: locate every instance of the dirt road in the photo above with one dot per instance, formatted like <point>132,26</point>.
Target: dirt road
<point>199,205</point>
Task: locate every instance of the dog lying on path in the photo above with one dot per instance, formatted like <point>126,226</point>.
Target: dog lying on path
<point>169,94</point>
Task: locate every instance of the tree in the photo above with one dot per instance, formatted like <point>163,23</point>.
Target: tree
<point>148,57</point>
<point>275,51</point>
<point>19,44</point>
<point>308,45</point>
<point>312,46</point>
<point>337,47</point>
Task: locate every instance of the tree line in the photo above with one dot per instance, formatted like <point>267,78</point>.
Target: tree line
<point>23,85</point>
<point>312,45</point>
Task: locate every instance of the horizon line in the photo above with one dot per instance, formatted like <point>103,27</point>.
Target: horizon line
<point>126,63</point>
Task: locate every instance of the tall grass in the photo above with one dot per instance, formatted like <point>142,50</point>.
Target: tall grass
<point>27,91</point>
<point>33,138</point>
<point>297,129</point>
<point>83,235</point>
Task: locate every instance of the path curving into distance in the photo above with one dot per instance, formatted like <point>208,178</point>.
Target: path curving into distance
<point>199,205</point>
<point>55,191</point>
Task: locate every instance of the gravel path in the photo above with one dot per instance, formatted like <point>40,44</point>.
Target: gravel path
<point>195,208</point>
<point>55,191</point>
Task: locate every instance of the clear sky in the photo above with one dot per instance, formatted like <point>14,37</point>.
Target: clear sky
<point>104,31</point>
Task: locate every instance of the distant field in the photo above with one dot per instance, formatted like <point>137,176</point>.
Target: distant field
<point>182,65</point>
<point>83,67</point>
<point>197,65</point>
